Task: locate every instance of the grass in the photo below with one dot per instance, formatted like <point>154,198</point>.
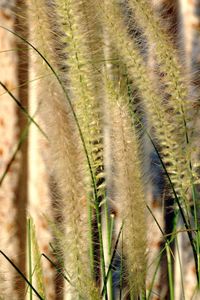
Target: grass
<point>101,105</point>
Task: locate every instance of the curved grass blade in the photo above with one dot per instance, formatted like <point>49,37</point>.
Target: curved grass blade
<point>92,175</point>
<point>187,226</point>
<point>21,274</point>
<point>20,142</point>
<point>59,259</point>
<point>30,256</point>
<point>23,109</point>
<point>25,83</point>
<point>71,107</point>
<point>57,268</point>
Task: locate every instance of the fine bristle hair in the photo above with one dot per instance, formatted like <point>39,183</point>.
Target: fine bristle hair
<point>120,119</point>
<point>178,107</point>
<point>81,51</point>
<point>128,196</point>
<point>67,158</point>
<point>78,21</point>
<point>160,111</point>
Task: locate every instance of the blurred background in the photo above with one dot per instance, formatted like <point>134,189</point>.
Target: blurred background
<point>25,181</point>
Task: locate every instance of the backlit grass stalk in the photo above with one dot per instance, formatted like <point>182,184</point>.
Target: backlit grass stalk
<point>67,159</point>
<point>157,111</point>
<point>74,21</point>
<point>178,102</point>
<point>110,220</point>
<point>83,49</point>
<point>182,170</point>
<point>129,195</point>
<point>129,53</point>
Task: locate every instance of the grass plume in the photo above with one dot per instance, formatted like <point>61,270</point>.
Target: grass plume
<point>67,160</point>
<point>128,189</point>
<point>95,89</point>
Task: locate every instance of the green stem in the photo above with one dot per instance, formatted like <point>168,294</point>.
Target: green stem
<point>170,271</point>
<point>180,265</point>
<point>21,274</point>
<point>83,143</point>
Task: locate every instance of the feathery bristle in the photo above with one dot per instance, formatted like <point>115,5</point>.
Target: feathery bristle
<point>67,161</point>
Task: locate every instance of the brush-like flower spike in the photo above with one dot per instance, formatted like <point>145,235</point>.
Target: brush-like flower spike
<point>157,108</point>
<point>175,86</point>
<point>164,51</point>
<point>128,186</point>
<point>67,160</point>
<point>82,49</point>
<point>130,54</point>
